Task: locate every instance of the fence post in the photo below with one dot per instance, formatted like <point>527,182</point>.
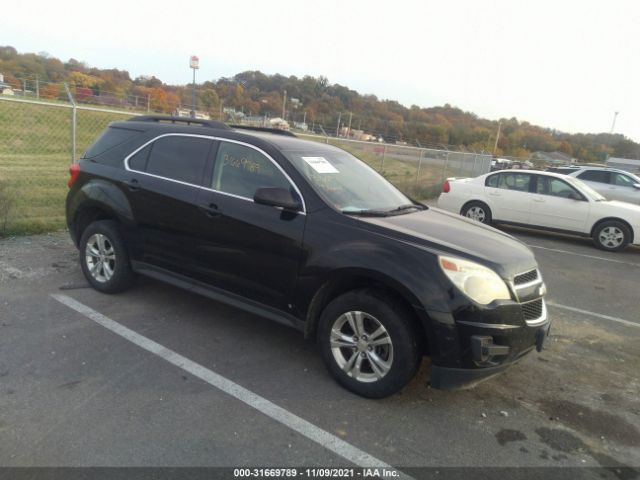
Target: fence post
<point>419,165</point>
<point>73,122</point>
<point>384,152</point>
<point>475,158</point>
<point>444,168</point>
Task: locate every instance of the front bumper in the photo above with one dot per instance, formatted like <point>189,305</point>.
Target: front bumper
<point>452,378</point>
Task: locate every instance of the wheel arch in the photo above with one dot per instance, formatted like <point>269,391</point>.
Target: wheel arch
<point>613,219</point>
<point>344,281</point>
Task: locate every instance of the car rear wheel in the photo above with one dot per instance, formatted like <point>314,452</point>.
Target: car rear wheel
<point>477,211</point>
<point>368,343</point>
<point>104,259</point>
<point>612,236</point>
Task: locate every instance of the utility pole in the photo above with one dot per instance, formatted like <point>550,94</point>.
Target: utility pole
<point>148,102</point>
<point>304,118</point>
<point>338,125</point>
<point>615,115</point>
<point>495,145</point>
<point>37,87</point>
<point>24,87</point>
<point>349,127</point>
<point>284,104</point>
<point>194,63</point>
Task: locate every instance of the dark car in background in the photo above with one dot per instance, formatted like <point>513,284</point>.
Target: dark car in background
<point>306,234</point>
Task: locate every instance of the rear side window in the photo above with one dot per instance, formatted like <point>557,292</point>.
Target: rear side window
<point>514,181</point>
<point>139,160</point>
<point>111,137</point>
<point>492,181</point>
<point>594,176</point>
<point>179,158</point>
<point>242,170</point>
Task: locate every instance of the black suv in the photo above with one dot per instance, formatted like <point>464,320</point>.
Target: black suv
<point>306,234</point>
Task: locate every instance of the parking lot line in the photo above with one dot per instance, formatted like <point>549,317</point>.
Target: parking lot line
<point>583,255</point>
<point>279,414</point>
<point>593,314</point>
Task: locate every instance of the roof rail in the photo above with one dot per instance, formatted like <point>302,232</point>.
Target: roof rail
<point>187,120</point>
<point>277,131</point>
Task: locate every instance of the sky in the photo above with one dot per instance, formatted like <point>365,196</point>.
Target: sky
<point>561,64</point>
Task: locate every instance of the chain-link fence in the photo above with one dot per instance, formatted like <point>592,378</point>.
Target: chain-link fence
<point>38,141</point>
<point>418,172</point>
<point>36,148</point>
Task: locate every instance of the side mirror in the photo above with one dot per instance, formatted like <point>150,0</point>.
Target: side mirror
<point>277,197</point>
<point>575,196</point>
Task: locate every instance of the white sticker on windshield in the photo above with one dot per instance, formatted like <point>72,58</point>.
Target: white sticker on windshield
<point>320,165</point>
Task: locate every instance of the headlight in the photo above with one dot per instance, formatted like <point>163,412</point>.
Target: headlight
<point>479,283</point>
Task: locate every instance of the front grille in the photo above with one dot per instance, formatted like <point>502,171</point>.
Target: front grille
<point>532,310</point>
<point>526,277</point>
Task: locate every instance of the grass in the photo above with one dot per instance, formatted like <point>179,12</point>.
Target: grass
<point>35,154</point>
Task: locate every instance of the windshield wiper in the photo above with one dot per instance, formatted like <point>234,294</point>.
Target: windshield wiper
<point>366,213</point>
<point>384,213</point>
<point>407,206</point>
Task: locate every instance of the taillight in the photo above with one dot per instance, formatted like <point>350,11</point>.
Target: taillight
<point>446,187</point>
<point>74,171</point>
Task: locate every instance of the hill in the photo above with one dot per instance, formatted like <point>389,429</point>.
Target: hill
<point>315,100</point>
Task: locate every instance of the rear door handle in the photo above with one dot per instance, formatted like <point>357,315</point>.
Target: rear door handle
<point>133,185</point>
<point>211,210</point>
<point>540,200</point>
<point>494,194</point>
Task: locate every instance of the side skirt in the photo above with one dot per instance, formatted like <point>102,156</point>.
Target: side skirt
<point>217,294</point>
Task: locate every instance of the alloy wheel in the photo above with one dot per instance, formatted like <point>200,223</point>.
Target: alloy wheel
<point>611,237</point>
<point>476,213</point>
<point>100,256</point>
<point>361,346</point>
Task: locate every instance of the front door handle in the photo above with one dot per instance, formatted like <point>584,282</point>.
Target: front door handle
<point>211,210</point>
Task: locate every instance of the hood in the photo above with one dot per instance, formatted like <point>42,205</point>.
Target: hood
<point>452,234</point>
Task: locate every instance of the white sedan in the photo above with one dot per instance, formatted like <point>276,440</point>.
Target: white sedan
<point>543,200</point>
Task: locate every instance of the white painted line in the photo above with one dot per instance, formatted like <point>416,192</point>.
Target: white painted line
<point>593,314</point>
<point>279,414</point>
<point>583,255</point>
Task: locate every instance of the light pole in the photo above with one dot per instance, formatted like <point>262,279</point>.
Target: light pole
<point>284,105</point>
<point>194,64</point>
<point>615,115</point>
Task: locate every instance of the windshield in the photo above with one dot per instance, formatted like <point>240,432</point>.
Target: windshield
<point>586,189</point>
<point>348,184</point>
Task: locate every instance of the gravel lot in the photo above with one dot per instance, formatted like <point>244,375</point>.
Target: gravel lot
<point>73,393</point>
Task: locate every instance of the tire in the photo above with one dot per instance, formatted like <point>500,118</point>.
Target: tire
<point>611,235</point>
<point>104,258</point>
<point>372,371</point>
<point>477,211</point>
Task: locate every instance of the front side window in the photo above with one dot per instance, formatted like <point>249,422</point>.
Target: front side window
<point>241,170</point>
<point>179,157</point>
<point>514,181</point>
<point>599,176</point>
<point>621,180</point>
<point>554,187</point>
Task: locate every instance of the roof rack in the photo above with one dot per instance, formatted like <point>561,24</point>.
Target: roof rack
<point>277,131</point>
<point>187,120</point>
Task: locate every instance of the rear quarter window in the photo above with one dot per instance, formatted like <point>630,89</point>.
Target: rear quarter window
<point>110,138</point>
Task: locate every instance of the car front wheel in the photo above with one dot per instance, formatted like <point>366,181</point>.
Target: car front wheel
<point>612,236</point>
<point>368,343</point>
